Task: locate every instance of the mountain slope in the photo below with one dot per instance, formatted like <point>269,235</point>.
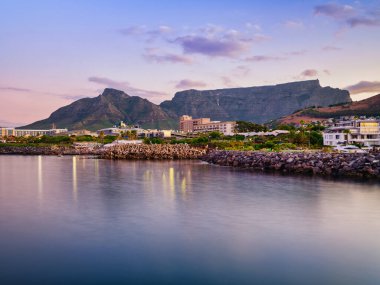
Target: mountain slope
<point>105,110</point>
<point>258,104</point>
<point>366,107</point>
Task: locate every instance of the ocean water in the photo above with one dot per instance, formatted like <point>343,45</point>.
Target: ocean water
<point>70,220</point>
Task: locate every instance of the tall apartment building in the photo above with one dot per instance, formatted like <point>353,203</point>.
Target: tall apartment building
<point>189,125</point>
<point>365,131</point>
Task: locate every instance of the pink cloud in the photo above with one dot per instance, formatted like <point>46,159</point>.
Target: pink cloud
<point>348,15</point>
<point>331,48</point>
<point>189,84</point>
<point>214,47</point>
<point>309,73</point>
<point>154,55</point>
<point>364,87</point>
<point>261,58</point>
<point>335,11</point>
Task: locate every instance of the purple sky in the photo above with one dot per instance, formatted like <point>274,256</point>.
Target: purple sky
<point>54,52</point>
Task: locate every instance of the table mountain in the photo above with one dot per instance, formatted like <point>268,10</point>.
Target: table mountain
<point>258,104</point>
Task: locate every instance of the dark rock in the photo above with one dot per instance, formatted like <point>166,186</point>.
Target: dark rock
<point>336,165</point>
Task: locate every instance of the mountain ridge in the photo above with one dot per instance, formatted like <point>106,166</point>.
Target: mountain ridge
<point>105,110</point>
<point>258,104</point>
<point>366,107</point>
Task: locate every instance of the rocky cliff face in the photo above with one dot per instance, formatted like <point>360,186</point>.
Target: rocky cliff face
<point>258,104</point>
<point>110,107</point>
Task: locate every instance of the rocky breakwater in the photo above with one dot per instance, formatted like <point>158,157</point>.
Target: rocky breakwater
<point>153,151</point>
<point>48,150</point>
<point>359,165</point>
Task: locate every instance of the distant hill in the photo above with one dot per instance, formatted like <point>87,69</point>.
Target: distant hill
<point>366,107</point>
<point>105,110</point>
<point>257,104</point>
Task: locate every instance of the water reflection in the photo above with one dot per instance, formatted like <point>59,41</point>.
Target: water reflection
<point>148,181</point>
<point>96,167</point>
<point>172,182</point>
<point>183,187</point>
<point>182,222</point>
<point>39,179</point>
<point>75,179</point>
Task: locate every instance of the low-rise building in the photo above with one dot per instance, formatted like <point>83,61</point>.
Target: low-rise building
<point>274,133</point>
<point>189,125</point>
<point>7,132</point>
<point>110,131</point>
<point>82,133</point>
<point>140,133</point>
<point>362,131</point>
<point>157,134</point>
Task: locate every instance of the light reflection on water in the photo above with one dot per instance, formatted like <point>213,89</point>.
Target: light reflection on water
<point>40,182</point>
<point>86,221</point>
<point>75,179</point>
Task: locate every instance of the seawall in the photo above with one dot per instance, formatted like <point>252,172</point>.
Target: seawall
<point>47,150</point>
<point>130,151</point>
<point>153,151</point>
<point>365,165</point>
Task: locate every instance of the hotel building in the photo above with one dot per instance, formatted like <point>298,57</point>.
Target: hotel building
<point>7,132</point>
<point>365,132</point>
<point>189,125</point>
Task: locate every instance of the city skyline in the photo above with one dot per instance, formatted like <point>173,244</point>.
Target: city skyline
<point>55,52</point>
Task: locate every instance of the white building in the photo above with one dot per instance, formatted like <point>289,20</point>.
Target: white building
<point>274,133</point>
<point>141,133</point>
<point>33,133</point>
<point>365,132</point>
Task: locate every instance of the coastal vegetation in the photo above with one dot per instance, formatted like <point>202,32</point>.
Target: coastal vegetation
<point>303,137</point>
<point>55,140</point>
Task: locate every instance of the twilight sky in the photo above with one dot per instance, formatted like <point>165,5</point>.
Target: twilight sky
<point>53,52</point>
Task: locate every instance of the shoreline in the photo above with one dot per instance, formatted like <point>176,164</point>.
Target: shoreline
<point>133,152</point>
<point>334,165</point>
<point>349,165</point>
<point>46,150</point>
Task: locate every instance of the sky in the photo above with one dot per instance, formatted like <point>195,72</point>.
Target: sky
<point>54,52</point>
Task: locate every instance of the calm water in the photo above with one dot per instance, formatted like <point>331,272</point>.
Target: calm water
<point>67,220</point>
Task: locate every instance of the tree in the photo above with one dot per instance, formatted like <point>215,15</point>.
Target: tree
<point>101,136</point>
<point>133,134</point>
<point>243,126</point>
<point>215,135</point>
<point>316,138</point>
<point>286,127</point>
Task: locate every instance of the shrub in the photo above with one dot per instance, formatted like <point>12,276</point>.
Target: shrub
<point>153,141</point>
<point>84,138</point>
<point>215,135</point>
